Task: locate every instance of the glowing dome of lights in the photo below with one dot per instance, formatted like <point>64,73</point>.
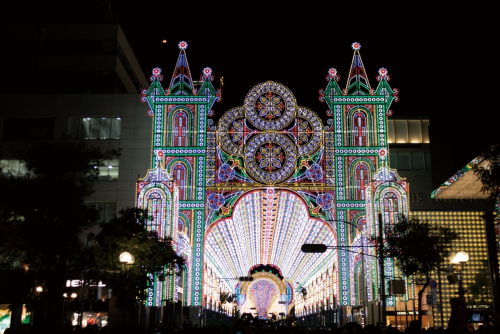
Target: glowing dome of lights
<point>268,226</point>
<point>262,293</point>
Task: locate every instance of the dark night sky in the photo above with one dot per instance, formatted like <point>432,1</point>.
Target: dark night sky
<point>438,56</point>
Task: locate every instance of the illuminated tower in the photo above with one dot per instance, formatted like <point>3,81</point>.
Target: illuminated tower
<point>179,151</point>
<point>386,198</point>
<point>356,149</point>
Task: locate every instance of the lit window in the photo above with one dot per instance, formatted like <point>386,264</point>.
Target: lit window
<point>109,172</point>
<point>13,168</point>
<point>179,175</point>
<point>99,128</point>
<point>180,129</point>
<point>361,177</point>
<point>359,127</point>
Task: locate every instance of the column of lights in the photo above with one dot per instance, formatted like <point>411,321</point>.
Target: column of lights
<point>243,216</point>
<point>225,270</point>
<point>284,212</point>
<point>299,218</point>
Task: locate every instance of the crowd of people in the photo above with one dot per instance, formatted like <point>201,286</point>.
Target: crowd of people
<point>458,324</point>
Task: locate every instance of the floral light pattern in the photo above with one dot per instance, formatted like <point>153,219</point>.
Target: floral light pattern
<point>270,106</point>
<point>270,157</point>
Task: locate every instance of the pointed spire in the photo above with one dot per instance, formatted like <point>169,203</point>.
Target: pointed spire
<point>357,83</point>
<point>181,83</point>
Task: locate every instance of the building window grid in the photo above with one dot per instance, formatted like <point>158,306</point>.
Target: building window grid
<point>108,172</point>
<point>107,210</point>
<point>99,128</point>
<point>405,131</point>
<point>407,160</point>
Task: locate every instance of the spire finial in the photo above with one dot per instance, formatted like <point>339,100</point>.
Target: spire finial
<point>181,83</point>
<point>357,82</point>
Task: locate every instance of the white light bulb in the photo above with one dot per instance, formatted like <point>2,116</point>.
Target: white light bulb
<point>462,257</point>
<point>453,259</point>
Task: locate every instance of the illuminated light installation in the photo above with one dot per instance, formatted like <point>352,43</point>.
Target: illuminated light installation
<point>180,148</point>
<point>242,241</point>
<point>477,161</point>
<point>264,294</point>
<point>158,194</point>
<point>387,195</point>
<point>359,117</point>
<point>269,176</point>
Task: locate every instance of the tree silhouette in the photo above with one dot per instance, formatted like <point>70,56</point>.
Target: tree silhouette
<point>418,248</point>
<point>42,215</point>
<point>128,233</point>
<point>489,172</point>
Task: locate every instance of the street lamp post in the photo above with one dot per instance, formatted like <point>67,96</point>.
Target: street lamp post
<point>37,315</point>
<point>460,258</point>
<point>67,300</point>
<point>126,259</point>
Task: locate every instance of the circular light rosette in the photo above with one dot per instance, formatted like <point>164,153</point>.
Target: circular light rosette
<point>270,106</point>
<point>156,71</point>
<point>382,153</point>
<point>183,45</point>
<point>270,158</point>
<point>207,71</point>
<point>382,72</point>
<point>356,46</point>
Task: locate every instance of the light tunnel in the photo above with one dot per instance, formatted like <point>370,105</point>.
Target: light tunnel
<point>268,227</point>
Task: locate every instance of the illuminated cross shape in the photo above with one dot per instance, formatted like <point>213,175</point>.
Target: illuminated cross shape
<point>270,106</point>
<point>270,157</point>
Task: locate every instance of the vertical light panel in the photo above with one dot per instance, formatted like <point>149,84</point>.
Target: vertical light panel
<point>415,131</point>
<point>401,131</point>
<point>344,260</point>
<point>391,137</point>
<point>198,258</point>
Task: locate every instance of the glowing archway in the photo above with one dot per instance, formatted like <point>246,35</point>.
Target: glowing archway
<point>268,226</point>
<point>264,294</point>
